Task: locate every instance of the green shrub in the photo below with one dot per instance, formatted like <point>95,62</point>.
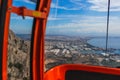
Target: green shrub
<point>19,66</point>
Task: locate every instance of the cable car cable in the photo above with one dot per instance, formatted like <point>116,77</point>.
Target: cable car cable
<point>107,30</point>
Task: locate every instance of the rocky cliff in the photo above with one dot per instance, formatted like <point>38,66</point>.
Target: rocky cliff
<point>18,58</point>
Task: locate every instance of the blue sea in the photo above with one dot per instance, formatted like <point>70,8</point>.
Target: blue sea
<point>113,42</point>
<point>101,42</point>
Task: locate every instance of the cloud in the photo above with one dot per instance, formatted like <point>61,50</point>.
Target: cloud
<point>83,23</point>
<point>63,7</point>
<point>88,24</point>
<point>73,5</point>
<point>101,5</point>
<point>78,3</point>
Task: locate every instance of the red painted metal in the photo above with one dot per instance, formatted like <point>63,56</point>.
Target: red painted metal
<point>5,43</point>
<point>58,73</point>
<point>23,11</point>
<point>38,45</point>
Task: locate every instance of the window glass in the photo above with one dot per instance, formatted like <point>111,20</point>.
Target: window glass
<point>76,33</point>
<point>19,43</point>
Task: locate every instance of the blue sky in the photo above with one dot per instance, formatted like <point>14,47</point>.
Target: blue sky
<point>73,17</point>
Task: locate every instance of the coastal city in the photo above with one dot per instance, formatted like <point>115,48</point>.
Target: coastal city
<point>76,50</point>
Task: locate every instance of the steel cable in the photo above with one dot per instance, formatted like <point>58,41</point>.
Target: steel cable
<point>107,30</point>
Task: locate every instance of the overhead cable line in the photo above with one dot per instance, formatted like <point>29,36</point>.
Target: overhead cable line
<point>107,30</point>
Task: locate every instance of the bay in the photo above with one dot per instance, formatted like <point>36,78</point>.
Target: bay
<point>113,42</point>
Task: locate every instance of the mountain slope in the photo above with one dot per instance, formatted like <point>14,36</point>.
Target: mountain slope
<point>18,58</point>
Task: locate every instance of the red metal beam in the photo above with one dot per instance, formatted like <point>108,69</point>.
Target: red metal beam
<point>23,11</point>
<point>5,43</point>
<point>38,45</point>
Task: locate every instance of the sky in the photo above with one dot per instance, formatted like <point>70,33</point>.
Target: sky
<point>73,18</point>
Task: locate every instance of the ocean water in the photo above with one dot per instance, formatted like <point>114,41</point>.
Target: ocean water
<point>113,42</point>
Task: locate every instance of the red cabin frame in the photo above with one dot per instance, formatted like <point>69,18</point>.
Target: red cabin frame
<point>40,20</point>
<point>37,49</point>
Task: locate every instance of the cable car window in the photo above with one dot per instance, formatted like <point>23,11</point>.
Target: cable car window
<point>19,42</point>
<point>76,33</point>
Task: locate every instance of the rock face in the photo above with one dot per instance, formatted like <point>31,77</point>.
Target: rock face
<point>18,58</point>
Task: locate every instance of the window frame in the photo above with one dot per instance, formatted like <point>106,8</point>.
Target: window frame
<point>38,32</point>
<point>4,26</point>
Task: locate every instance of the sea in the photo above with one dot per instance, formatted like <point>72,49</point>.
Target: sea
<point>113,42</point>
